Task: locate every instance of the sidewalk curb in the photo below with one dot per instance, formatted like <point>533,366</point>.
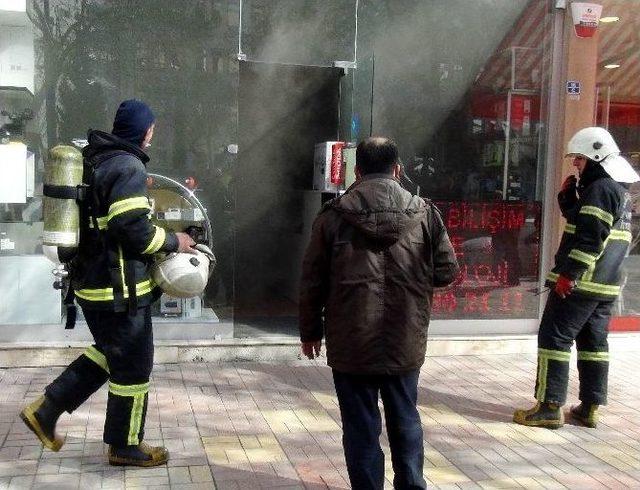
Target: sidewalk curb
<point>277,349</point>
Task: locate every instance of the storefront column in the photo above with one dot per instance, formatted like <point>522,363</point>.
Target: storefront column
<point>581,64</point>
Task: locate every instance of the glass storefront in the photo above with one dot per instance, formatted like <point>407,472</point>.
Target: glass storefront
<point>243,92</point>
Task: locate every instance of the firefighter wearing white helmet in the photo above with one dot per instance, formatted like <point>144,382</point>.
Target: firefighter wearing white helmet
<point>585,280</point>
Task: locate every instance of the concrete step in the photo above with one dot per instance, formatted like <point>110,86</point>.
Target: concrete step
<point>277,349</point>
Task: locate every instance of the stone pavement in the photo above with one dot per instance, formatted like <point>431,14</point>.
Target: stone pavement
<point>258,425</point>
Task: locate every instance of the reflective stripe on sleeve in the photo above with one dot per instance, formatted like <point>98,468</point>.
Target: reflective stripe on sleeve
<point>590,287</point>
<point>157,241</point>
<point>581,256</point>
<point>129,204</point>
<point>601,214</point>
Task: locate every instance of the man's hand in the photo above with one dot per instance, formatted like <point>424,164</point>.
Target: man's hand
<point>564,286</point>
<point>312,349</point>
<point>185,242</point>
<point>569,184</point>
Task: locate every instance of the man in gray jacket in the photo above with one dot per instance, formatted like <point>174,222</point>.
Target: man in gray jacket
<point>374,257</point>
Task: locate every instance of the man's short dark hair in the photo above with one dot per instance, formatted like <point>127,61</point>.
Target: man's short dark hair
<point>376,156</point>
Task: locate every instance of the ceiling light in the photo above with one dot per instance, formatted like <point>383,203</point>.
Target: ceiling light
<point>610,19</point>
<point>611,66</point>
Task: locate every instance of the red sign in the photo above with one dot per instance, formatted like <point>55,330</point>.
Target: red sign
<point>496,244</point>
<point>337,173</point>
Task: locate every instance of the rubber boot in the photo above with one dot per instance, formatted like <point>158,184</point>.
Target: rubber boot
<point>586,414</point>
<point>41,417</point>
<point>140,455</point>
<point>548,415</point>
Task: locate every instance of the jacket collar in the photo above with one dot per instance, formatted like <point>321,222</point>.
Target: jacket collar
<point>101,141</point>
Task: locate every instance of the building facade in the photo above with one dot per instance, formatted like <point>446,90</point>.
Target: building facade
<point>480,96</point>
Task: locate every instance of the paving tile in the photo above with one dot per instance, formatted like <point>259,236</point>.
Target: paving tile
<point>261,425</point>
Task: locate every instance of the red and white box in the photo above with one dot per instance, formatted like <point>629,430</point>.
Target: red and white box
<point>328,166</point>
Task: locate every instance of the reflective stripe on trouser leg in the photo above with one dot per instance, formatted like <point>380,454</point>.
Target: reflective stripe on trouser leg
<point>553,376</point>
<point>126,412</point>
<point>81,379</point>
<point>593,368</point>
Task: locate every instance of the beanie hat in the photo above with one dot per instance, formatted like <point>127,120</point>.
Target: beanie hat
<point>132,121</point>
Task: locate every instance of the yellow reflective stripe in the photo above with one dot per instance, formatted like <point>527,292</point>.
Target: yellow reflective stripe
<point>98,357</point>
<point>594,287</point>
<point>106,294</point>
<point>121,262</point>
<point>156,242</point>
<point>571,229</point>
<point>581,256</point>
<point>135,420</point>
<point>128,390</point>
<point>588,275</point>
<point>556,355</point>
<point>601,214</point>
<point>129,204</point>
<point>543,365</point>
<point>620,235</point>
<point>591,287</point>
<point>593,356</point>
<point>102,223</point>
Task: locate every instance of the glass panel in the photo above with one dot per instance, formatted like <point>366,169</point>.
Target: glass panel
<point>303,32</point>
<point>461,87</point>
<point>619,111</point>
<point>276,203</point>
<point>64,68</point>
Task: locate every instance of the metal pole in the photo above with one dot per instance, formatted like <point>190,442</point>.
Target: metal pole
<point>551,216</point>
<point>373,77</point>
<point>507,142</point>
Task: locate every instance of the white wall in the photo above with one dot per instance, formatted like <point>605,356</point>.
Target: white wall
<point>16,50</point>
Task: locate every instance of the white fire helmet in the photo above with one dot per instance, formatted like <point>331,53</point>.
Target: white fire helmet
<point>184,275</point>
<point>597,144</point>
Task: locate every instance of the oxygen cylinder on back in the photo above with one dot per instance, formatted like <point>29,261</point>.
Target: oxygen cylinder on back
<point>62,176</point>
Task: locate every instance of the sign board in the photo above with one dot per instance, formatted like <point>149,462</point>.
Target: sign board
<point>573,87</point>
<point>586,17</point>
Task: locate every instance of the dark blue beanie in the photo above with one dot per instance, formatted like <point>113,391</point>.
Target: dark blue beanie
<point>132,121</point>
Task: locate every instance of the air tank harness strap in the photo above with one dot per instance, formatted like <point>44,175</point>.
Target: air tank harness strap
<point>116,272</point>
<point>72,309</point>
<point>77,192</point>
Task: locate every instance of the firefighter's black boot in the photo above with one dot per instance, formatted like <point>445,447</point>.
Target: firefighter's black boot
<point>547,415</point>
<point>140,455</point>
<point>586,413</point>
<point>41,417</point>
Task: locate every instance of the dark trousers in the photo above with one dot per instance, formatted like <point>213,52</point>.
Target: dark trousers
<point>362,426</point>
<point>586,321</point>
<point>123,355</point>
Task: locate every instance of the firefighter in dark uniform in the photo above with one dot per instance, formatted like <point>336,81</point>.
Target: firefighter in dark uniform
<point>585,281</point>
<point>110,276</point>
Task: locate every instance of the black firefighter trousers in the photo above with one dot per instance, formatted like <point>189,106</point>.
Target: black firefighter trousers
<point>123,356</point>
<point>586,321</point>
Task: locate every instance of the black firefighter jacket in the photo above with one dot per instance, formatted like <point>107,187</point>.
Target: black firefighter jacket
<point>374,257</point>
<point>113,263</point>
<point>596,237</point>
